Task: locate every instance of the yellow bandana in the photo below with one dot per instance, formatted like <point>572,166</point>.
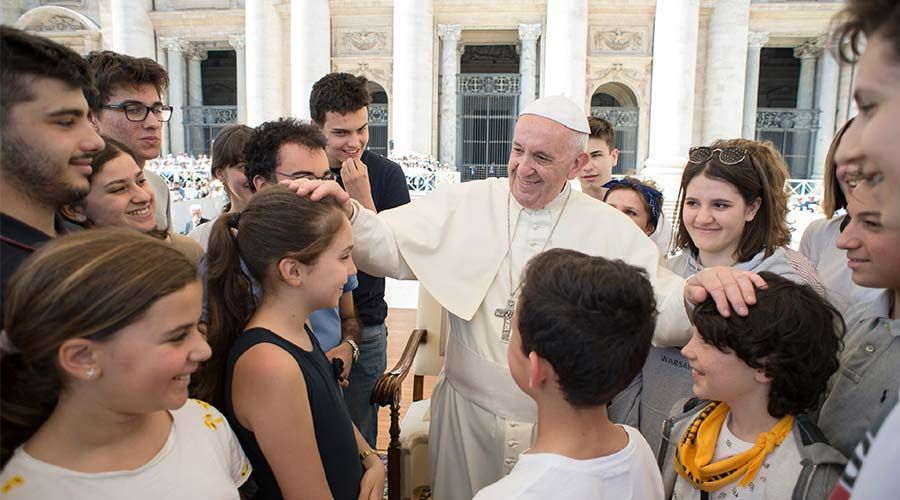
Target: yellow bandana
<point>697,446</point>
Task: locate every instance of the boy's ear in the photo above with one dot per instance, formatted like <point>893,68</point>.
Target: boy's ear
<point>762,377</point>
<point>539,370</point>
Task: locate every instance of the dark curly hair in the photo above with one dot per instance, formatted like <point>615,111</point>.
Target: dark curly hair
<point>113,71</point>
<point>791,332</point>
<point>26,56</point>
<point>261,149</point>
<point>339,93</point>
<point>864,19</point>
<point>591,318</point>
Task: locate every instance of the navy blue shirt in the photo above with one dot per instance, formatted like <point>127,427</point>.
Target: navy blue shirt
<point>389,190</point>
<point>17,242</point>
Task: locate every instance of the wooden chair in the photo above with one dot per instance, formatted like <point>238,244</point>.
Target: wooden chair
<point>408,469</point>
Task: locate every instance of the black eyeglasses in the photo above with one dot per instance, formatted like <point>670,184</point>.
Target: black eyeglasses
<point>728,156</point>
<point>328,176</point>
<point>137,112</point>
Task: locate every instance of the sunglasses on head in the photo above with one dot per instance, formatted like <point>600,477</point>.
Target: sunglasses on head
<point>728,156</point>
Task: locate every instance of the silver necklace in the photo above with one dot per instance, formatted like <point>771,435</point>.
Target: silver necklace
<point>507,312</point>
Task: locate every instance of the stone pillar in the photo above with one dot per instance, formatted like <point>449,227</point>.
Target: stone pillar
<point>413,76</point>
<point>264,63</point>
<point>175,49</point>
<point>310,50</point>
<point>726,69</point>
<point>807,53</point>
<point>449,34</point>
<point>826,103</point>
<point>238,42</point>
<point>672,94</point>
<point>565,64</point>
<point>755,43</point>
<point>132,30</point>
<point>195,56</point>
<point>528,34</point>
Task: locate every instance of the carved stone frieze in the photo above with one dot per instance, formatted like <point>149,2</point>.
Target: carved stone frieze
<point>619,40</point>
<point>636,76</point>
<point>372,41</point>
<point>59,23</point>
<point>378,72</point>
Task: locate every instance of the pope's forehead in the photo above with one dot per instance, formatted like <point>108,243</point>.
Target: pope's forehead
<point>534,124</point>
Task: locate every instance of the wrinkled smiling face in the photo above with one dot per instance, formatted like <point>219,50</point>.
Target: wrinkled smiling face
<point>544,156</point>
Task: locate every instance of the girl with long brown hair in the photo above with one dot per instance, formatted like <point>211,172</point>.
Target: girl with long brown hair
<point>268,371</point>
<point>99,343</point>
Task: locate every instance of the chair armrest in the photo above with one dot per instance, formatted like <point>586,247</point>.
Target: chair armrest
<point>387,389</point>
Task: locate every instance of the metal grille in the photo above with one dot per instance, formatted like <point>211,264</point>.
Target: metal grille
<point>378,129</point>
<point>488,104</point>
<point>625,123</point>
<point>202,124</point>
<point>793,131</point>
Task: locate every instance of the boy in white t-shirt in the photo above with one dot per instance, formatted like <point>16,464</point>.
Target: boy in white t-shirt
<point>580,334</point>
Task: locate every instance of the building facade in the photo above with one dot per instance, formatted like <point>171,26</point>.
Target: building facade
<point>449,76</point>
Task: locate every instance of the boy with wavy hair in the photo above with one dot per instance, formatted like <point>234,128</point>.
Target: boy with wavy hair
<point>745,435</point>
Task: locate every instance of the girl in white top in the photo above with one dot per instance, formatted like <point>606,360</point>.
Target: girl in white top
<point>100,342</point>
<point>732,209</point>
<point>819,239</point>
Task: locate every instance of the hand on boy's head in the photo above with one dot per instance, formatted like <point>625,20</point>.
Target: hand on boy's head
<point>730,288</point>
<point>318,189</point>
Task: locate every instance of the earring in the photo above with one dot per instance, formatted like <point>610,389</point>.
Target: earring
<point>91,372</point>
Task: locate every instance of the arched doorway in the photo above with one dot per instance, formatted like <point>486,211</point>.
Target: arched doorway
<point>378,120</point>
<point>617,104</point>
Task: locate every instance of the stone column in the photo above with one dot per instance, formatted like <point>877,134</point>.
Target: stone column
<point>808,52</point>
<point>195,56</point>
<point>672,94</point>
<point>413,77</point>
<point>528,34</point>
<point>132,30</point>
<point>565,64</point>
<point>310,50</point>
<point>826,103</point>
<point>175,49</point>
<point>726,69</point>
<point>449,34</point>
<point>262,27</point>
<point>238,42</point>
<point>755,42</point>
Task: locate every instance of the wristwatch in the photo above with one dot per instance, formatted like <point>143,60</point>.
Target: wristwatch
<point>363,455</point>
<point>355,348</point>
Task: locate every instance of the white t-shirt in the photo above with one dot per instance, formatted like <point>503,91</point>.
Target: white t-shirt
<point>201,459</point>
<point>774,481</point>
<point>629,473</point>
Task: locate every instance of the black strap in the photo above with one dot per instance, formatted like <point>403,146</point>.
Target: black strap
<point>704,495</point>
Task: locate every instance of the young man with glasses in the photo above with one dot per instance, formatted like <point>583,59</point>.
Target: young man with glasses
<point>128,107</point>
<point>287,149</point>
<point>46,142</point>
<point>339,104</point>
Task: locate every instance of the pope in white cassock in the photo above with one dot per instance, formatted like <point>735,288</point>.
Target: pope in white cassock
<point>467,245</point>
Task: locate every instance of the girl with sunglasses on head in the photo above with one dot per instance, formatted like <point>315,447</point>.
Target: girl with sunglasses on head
<point>268,371</point>
<point>820,237</point>
<point>121,196</point>
<point>99,344</point>
<point>732,211</point>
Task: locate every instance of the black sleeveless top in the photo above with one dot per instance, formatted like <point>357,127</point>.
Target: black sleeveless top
<point>331,421</point>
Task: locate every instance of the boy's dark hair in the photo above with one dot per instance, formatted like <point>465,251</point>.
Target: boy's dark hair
<point>864,19</point>
<point>113,71</point>
<point>602,129</point>
<point>792,333</point>
<point>591,318</point>
<point>340,93</point>
<point>261,150</point>
<point>25,56</point>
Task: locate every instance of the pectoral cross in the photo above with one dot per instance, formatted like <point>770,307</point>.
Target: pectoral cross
<point>507,314</point>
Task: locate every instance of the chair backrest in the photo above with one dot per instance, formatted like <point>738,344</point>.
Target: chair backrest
<point>431,316</point>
